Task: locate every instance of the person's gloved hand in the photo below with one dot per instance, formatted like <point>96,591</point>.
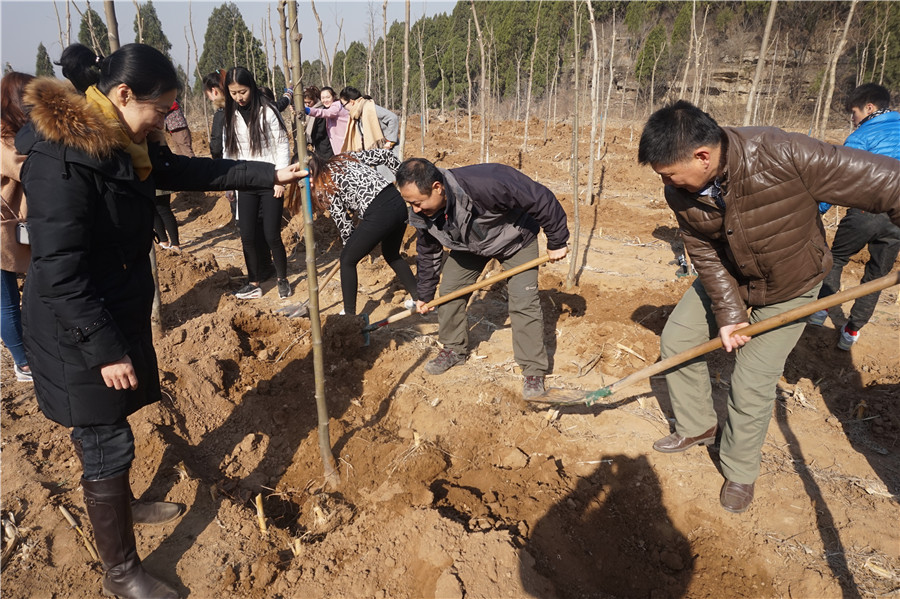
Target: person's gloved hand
<point>306,109</point>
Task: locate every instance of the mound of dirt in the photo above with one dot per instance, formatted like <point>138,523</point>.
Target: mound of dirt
<point>451,485</point>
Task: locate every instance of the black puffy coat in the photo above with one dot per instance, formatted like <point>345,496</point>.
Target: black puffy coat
<point>89,291</point>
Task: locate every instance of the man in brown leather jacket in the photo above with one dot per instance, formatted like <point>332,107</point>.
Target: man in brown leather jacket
<point>746,201</point>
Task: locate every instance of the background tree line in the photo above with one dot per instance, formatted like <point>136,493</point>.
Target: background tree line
<point>633,56</point>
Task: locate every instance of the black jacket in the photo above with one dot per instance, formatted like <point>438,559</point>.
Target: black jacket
<point>492,210</point>
<point>216,141</point>
<point>89,291</point>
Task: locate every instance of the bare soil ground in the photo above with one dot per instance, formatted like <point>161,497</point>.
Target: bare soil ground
<point>451,486</point>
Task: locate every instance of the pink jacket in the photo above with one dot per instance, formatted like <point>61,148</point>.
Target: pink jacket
<point>336,120</point>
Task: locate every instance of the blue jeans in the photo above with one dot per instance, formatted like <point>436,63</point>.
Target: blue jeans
<point>108,450</point>
<point>11,318</point>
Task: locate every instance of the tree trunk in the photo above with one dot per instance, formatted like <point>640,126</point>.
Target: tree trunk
<point>653,74</point>
<point>831,71</point>
<point>287,76</point>
<point>537,22</point>
<point>112,25</point>
<point>384,38</point>
<point>287,67</point>
<point>610,83</point>
<point>570,278</point>
<point>595,97</point>
<point>138,21</point>
<point>469,76</point>
<point>423,108</point>
<point>482,93</point>
<point>59,25</point>
<point>687,59</point>
<point>698,71</point>
<point>326,59</point>
<point>332,474</point>
<point>404,96</point>
<point>763,48</point>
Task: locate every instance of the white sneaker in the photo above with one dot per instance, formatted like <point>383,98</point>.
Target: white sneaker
<point>23,376</point>
<point>817,318</point>
<point>848,338</point>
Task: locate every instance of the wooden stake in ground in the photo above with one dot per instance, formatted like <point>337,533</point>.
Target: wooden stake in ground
<point>87,542</point>
<point>332,475</point>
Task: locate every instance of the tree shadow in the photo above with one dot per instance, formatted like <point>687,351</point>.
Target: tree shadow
<point>865,412</point>
<point>831,539</point>
<point>590,235</point>
<point>594,543</point>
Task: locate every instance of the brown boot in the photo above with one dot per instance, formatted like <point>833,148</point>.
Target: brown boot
<point>108,504</point>
<point>142,512</point>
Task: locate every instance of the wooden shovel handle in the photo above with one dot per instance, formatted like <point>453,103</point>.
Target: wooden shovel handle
<point>761,327</point>
<point>461,292</point>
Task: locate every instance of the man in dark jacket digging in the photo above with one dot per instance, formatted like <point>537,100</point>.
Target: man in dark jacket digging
<point>482,212</point>
<point>746,201</point>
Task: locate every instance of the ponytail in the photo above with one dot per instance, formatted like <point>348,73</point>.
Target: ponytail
<point>142,68</point>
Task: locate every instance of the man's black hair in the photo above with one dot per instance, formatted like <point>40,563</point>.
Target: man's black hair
<point>868,93</point>
<point>673,132</point>
<point>419,171</point>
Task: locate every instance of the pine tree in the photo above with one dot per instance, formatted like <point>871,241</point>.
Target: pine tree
<point>228,43</point>
<point>99,42</point>
<point>44,66</point>
<point>148,29</point>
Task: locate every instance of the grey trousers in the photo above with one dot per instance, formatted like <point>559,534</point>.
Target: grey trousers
<point>463,268</point>
<point>758,366</point>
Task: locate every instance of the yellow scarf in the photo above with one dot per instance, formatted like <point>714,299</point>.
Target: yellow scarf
<point>140,157</point>
<point>364,129</point>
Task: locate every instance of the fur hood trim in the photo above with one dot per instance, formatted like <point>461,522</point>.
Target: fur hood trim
<point>62,115</point>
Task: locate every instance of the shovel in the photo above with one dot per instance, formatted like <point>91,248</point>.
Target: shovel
<point>574,396</point>
<point>458,293</point>
<point>302,309</point>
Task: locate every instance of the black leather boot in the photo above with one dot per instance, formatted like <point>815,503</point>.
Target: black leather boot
<point>142,512</point>
<point>108,504</point>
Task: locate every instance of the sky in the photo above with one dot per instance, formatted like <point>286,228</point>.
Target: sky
<point>24,24</point>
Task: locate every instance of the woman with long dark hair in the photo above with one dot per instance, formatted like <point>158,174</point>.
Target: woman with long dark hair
<point>94,160</point>
<point>14,256</point>
<point>254,130</point>
<point>351,190</point>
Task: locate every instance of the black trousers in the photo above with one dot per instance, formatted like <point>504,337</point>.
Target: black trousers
<point>857,230</point>
<point>384,222</point>
<point>265,203</point>
<point>164,222</point>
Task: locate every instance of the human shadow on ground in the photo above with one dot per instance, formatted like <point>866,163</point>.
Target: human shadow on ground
<point>594,543</point>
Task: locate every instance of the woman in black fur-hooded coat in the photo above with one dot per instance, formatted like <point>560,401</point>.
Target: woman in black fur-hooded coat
<point>90,178</point>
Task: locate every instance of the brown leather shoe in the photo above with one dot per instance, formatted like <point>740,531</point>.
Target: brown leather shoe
<point>736,497</point>
<point>675,442</point>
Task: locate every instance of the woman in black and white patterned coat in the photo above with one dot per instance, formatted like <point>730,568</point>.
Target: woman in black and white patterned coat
<point>350,188</point>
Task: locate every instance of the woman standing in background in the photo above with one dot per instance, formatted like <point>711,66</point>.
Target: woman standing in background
<point>14,256</point>
<point>254,130</point>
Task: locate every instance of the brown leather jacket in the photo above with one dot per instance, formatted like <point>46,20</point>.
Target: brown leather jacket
<point>768,245</point>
